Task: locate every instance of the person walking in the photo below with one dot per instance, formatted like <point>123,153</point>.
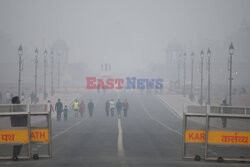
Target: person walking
<point>76,108</point>
<point>18,121</point>
<point>90,108</point>
<point>50,106</point>
<point>59,109</point>
<point>118,107</point>
<point>224,119</point>
<point>65,113</point>
<point>82,108</point>
<point>107,107</point>
<point>22,98</point>
<point>125,107</point>
<point>1,97</point>
<point>8,97</point>
<point>112,107</point>
<point>32,97</point>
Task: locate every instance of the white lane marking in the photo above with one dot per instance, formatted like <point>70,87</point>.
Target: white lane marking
<point>158,121</point>
<point>66,130</point>
<point>120,147</point>
<point>171,109</point>
<point>120,140</point>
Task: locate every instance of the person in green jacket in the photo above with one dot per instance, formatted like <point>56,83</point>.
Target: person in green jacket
<point>65,113</point>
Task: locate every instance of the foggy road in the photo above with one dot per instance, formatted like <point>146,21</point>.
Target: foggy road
<point>166,57</point>
<point>149,136</point>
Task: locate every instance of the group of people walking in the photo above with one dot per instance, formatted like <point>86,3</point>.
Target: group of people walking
<point>111,105</point>
<point>81,108</point>
<point>76,107</point>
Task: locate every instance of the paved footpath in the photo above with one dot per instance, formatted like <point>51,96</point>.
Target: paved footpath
<point>176,103</point>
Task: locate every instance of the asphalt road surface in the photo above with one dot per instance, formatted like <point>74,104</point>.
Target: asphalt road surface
<point>149,137</point>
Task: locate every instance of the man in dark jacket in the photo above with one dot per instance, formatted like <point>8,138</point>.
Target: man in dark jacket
<point>107,107</point>
<point>224,119</point>
<point>59,109</point>
<point>118,107</point>
<point>90,108</point>
<point>1,97</point>
<point>17,121</point>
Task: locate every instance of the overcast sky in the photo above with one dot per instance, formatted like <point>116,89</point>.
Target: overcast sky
<point>133,32</point>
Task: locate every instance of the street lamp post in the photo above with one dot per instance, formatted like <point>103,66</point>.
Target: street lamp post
<point>208,69</point>
<point>179,71</point>
<point>20,53</point>
<point>201,71</point>
<point>231,52</point>
<point>184,74</point>
<point>36,63</point>
<point>45,67</point>
<point>52,73</point>
<point>58,71</point>
<point>192,77</point>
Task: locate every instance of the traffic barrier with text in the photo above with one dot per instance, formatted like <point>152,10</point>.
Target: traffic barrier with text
<point>216,133</point>
<point>25,131</point>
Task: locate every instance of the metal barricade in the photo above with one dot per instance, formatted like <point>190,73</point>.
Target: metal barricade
<point>194,125</point>
<point>225,136</point>
<point>21,130</point>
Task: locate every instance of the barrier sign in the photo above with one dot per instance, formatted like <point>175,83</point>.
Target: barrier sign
<point>195,136</point>
<point>216,133</point>
<point>217,137</point>
<point>21,136</point>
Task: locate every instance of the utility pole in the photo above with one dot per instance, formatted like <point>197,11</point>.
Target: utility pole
<point>231,52</point>
<point>201,71</point>
<point>52,73</point>
<point>184,75</point>
<point>192,76</point>
<point>36,63</point>
<point>45,68</point>
<point>208,69</point>
<point>20,53</point>
<point>179,71</point>
<point>58,71</point>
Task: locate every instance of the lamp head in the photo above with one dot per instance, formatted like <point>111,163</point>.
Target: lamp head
<point>202,53</point>
<point>192,54</point>
<point>209,53</point>
<point>36,52</point>
<point>45,52</point>
<point>20,50</point>
<point>231,49</point>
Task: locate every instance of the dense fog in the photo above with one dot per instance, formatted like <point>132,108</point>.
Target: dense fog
<point>135,37</point>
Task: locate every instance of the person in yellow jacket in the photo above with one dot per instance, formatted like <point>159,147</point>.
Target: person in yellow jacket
<point>76,108</point>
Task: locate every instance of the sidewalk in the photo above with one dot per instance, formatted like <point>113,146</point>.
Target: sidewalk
<point>176,102</point>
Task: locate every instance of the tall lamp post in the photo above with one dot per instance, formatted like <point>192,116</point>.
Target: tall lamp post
<point>58,71</point>
<point>20,53</point>
<point>184,74</point>
<point>208,69</point>
<point>201,71</point>
<point>231,52</point>
<point>36,63</point>
<point>52,73</point>
<point>179,71</point>
<point>45,67</point>
<point>192,77</point>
